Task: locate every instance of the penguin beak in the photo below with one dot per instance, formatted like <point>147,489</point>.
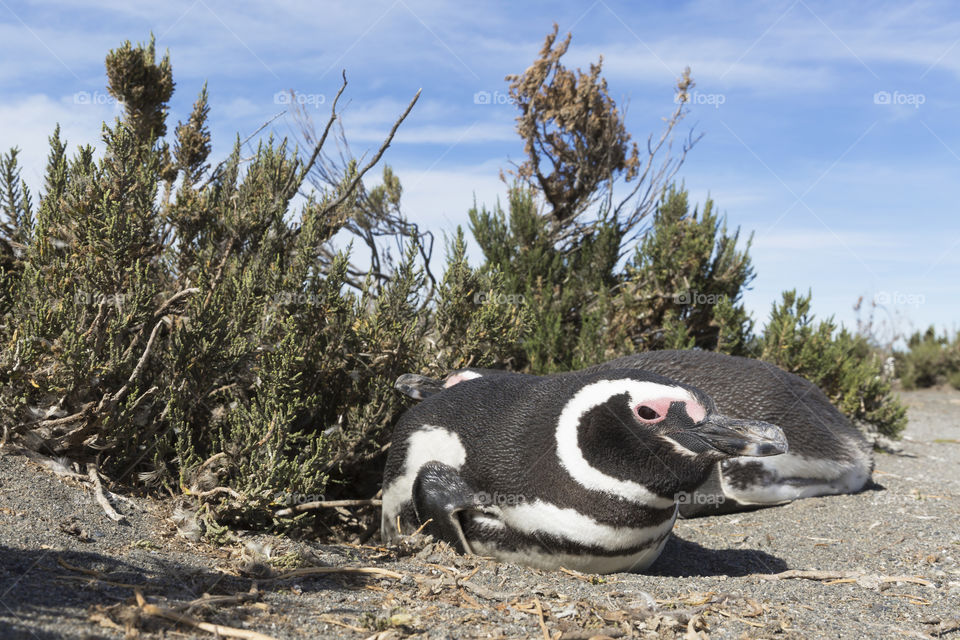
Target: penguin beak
<point>737,437</point>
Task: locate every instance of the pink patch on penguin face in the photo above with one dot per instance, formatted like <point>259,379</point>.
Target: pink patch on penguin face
<point>654,410</point>
<point>695,410</point>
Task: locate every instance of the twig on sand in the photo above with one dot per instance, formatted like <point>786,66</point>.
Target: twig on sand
<point>586,634</point>
<point>837,577</point>
<point>216,629</point>
<point>331,620</point>
<point>237,598</point>
<point>543,623</point>
<point>326,504</point>
<point>99,495</point>
<point>485,593</point>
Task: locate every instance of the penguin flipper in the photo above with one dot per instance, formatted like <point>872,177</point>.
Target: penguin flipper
<point>440,496</point>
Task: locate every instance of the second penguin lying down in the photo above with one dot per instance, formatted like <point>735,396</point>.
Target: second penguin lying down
<point>828,455</point>
<point>581,470</point>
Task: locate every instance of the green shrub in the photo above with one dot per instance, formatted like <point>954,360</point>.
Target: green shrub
<point>568,249</point>
<point>929,360</point>
<point>186,327</point>
<point>954,380</point>
<point>844,365</point>
<point>683,286</point>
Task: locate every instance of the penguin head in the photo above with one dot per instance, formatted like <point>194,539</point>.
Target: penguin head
<point>421,387</point>
<point>636,426</point>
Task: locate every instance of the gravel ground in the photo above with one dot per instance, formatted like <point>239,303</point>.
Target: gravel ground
<point>66,571</point>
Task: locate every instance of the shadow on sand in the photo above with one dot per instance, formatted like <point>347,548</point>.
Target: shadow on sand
<point>682,558</point>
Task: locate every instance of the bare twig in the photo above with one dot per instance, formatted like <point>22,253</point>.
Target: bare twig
<point>94,476</point>
<point>216,170</point>
<point>219,274</point>
<point>586,634</point>
<point>218,490</point>
<point>847,576</point>
<point>217,629</point>
<point>543,623</point>
<point>119,395</point>
<point>323,138</point>
<point>237,598</point>
<point>174,298</point>
<point>326,504</point>
<point>374,160</point>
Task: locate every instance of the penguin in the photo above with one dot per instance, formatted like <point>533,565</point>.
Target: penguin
<point>582,470</point>
<point>827,456</point>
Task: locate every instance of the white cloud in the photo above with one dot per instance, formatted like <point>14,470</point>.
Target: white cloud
<point>439,198</point>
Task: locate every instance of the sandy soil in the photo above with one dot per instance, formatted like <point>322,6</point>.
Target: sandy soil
<point>887,557</point>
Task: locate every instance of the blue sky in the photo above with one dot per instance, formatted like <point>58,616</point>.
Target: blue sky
<point>830,128</point>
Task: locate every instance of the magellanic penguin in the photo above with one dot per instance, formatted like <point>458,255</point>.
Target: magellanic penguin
<point>827,454</point>
<point>581,470</point>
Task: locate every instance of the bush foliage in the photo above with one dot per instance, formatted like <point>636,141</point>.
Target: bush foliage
<point>191,327</point>
<point>844,365</point>
<point>179,324</point>
<point>929,360</point>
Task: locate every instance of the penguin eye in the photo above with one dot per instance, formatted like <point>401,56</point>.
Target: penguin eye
<point>647,413</point>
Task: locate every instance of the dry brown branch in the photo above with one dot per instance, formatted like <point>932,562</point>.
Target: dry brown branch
<point>209,461</point>
<point>370,219</point>
<point>326,504</point>
<point>323,138</point>
<point>543,623</point>
<point>217,629</point>
<point>56,422</point>
<point>328,209</point>
<point>174,298</point>
<point>846,576</point>
<point>94,476</point>
<point>331,620</point>
<point>113,400</point>
<point>578,149</point>
<point>90,572</point>
<point>237,598</point>
<point>485,593</point>
<point>218,490</point>
<point>586,634</point>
